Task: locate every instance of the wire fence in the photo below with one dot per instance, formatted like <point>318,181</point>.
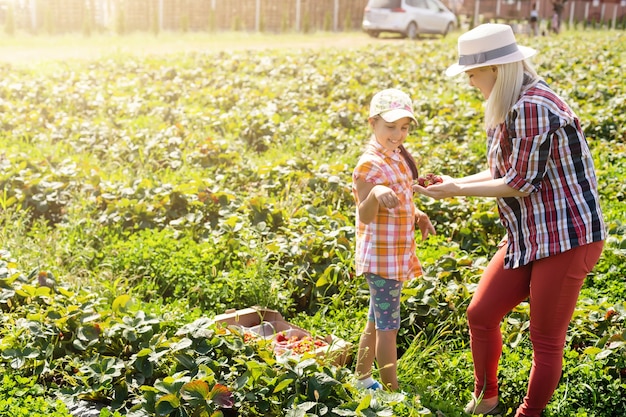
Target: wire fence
<point>125,16</point>
<point>277,16</point>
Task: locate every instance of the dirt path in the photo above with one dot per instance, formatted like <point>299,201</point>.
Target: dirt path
<point>34,50</point>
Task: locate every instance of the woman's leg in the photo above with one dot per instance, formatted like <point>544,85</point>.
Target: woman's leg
<point>498,292</point>
<point>555,286</point>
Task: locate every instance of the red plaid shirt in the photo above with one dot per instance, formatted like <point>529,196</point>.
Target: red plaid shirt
<point>386,246</point>
<point>541,148</point>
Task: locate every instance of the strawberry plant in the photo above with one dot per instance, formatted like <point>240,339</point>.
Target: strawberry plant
<point>145,194</point>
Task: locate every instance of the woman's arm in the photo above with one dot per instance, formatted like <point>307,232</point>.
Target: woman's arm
<point>480,176</point>
<point>483,188</point>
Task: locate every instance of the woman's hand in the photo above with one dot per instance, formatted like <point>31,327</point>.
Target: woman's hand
<point>477,188</point>
<point>447,188</point>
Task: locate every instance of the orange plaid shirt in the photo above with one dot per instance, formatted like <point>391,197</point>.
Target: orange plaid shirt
<point>386,246</point>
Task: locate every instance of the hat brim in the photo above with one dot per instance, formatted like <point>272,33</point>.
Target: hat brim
<point>396,114</point>
<point>522,53</point>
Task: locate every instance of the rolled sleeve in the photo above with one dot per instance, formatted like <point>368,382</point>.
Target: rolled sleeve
<point>370,172</point>
<point>531,130</point>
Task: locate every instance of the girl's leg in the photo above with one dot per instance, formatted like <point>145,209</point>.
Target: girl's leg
<point>387,358</point>
<point>555,286</point>
<point>367,351</point>
<point>367,344</point>
<point>378,340</point>
<point>498,292</point>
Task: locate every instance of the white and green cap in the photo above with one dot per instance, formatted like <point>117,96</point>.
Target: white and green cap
<point>392,104</point>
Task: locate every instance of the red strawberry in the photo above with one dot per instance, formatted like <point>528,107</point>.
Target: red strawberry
<point>429,179</point>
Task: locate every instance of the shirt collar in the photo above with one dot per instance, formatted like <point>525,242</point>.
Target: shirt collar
<point>528,82</point>
<point>377,147</point>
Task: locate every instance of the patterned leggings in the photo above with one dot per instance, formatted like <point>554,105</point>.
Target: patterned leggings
<point>384,302</point>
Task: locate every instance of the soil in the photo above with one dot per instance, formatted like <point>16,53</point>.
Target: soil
<point>37,50</point>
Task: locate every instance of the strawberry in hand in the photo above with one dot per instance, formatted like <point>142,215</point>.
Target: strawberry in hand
<point>429,179</point>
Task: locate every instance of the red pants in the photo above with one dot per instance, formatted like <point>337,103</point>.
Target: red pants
<point>553,285</point>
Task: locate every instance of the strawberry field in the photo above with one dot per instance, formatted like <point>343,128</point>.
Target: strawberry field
<point>143,194</point>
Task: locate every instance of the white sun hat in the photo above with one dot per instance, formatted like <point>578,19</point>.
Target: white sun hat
<point>392,104</point>
<point>488,44</point>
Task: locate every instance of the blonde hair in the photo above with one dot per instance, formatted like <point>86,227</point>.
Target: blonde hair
<point>506,91</point>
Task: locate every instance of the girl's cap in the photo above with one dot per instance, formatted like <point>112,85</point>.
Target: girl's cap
<point>392,104</point>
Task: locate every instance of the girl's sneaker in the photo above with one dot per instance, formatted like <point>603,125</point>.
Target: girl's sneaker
<point>376,385</point>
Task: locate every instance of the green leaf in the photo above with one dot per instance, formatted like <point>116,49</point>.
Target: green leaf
<point>221,396</point>
<point>121,303</point>
<point>167,404</point>
<point>364,404</point>
<point>196,392</point>
<point>592,350</point>
<point>282,385</point>
<point>88,333</point>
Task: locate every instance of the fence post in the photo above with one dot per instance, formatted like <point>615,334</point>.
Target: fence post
<point>298,15</point>
<point>602,13</point>
<point>257,16</point>
<point>160,14</point>
<point>33,16</point>
<point>476,12</point>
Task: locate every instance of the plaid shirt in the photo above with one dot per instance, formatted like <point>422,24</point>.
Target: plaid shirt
<point>386,246</point>
<point>541,149</point>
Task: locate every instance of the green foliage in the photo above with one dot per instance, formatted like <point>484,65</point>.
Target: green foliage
<point>576,395</point>
<point>163,190</point>
<point>137,362</point>
<point>159,264</point>
<point>22,397</point>
<point>441,296</point>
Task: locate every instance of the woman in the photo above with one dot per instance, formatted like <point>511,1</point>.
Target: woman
<point>542,176</point>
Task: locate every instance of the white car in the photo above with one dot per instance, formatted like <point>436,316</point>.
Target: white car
<point>409,18</point>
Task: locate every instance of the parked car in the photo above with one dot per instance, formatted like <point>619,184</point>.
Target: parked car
<point>409,18</point>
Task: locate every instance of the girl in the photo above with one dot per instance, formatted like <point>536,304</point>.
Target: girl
<point>385,226</point>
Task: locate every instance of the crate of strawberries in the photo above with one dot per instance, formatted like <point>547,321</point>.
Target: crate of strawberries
<point>285,339</point>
